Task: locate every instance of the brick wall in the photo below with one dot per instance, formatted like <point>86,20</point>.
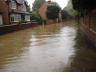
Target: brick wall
<point>4,9</point>
<point>42,11</point>
<point>87,26</point>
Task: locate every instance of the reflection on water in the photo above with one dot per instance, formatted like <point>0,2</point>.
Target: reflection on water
<point>85,58</point>
<point>42,49</point>
<point>50,48</point>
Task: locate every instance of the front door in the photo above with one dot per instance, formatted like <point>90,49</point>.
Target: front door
<point>23,16</point>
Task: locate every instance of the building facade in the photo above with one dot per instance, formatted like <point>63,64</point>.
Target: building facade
<point>14,11</point>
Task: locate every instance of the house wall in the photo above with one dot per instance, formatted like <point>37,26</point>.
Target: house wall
<point>19,8</point>
<point>27,17</point>
<point>42,11</point>
<point>24,8</point>
<point>5,12</point>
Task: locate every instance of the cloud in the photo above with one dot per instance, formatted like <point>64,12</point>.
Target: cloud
<point>62,3</point>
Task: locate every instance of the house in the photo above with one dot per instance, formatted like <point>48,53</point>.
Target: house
<point>18,11</point>
<point>14,11</point>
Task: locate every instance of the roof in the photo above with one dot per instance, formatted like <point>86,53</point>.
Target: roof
<point>19,1</point>
<point>19,12</point>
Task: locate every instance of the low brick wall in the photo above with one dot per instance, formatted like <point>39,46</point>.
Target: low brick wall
<point>11,28</point>
<point>88,34</point>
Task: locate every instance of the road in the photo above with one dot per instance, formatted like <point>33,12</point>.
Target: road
<point>51,48</point>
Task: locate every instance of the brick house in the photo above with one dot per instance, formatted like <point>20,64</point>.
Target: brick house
<point>14,11</point>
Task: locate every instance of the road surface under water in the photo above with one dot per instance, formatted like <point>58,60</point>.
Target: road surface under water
<point>50,48</point>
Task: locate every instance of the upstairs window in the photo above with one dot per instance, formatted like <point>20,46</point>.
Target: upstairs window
<point>12,5</point>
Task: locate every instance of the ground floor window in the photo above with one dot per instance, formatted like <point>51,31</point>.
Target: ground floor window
<point>27,17</point>
<point>15,17</point>
<point>1,21</point>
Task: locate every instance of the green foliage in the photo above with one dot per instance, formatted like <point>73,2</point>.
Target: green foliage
<point>35,16</point>
<point>52,12</point>
<point>69,9</point>
<point>22,21</point>
<point>81,5</point>
<point>37,4</point>
<point>34,13</point>
<point>39,20</point>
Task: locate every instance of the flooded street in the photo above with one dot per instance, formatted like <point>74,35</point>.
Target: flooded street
<point>50,48</point>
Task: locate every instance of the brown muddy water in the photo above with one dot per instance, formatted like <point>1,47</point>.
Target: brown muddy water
<point>50,48</point>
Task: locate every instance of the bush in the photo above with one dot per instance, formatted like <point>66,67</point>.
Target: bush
<point>35,16</point>
<point>53,12</point>
<point>22,21</point>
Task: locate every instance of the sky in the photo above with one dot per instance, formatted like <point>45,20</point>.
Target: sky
<point>62,3</point>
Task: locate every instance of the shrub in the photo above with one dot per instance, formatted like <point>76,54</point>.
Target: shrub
<point>22,21</point>
<point>35,16</point>
<point>52,12</point>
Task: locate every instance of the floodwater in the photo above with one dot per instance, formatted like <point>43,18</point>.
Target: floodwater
<point>50,48</point>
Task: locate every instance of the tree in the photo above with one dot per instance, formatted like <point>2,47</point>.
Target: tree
<point>37,4</point>
<point>69,9</point>
<point>81,5</point>
<point>52,12</point>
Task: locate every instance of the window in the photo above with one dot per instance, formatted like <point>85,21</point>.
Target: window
<point>12,19</point>
<point>12,5</point>
<point>15,17</point>
<point>1,22</point>
<point>27,17</point>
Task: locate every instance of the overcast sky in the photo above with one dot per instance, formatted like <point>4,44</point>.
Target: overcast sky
<point>62,3</point>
